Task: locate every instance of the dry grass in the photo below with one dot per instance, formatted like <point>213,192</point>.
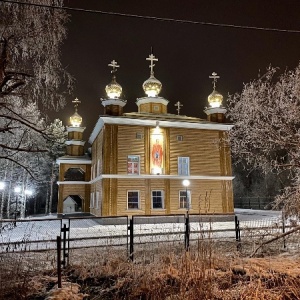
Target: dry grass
<point>208,271</point>
<point>206,274</point>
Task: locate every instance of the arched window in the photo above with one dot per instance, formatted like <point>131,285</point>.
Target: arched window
<point>74,174</point>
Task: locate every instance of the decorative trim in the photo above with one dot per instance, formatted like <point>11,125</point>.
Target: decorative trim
<point>152,123</point>
<point>74,161</point>
<point>73,182</point>
<point>120,102</point>
<point>215,110</point>
<point>74,142</point>
<point>76,129</point>
<point>146,100</point>
<point>192,177</point>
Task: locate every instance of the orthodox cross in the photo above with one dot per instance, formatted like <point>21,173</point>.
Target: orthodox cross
<point>76,103</point>
<point>114,66</point>
<point>152,58</point>
<point>178,105</point>
<point>215,77</point>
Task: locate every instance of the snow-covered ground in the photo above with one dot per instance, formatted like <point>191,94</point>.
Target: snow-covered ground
<point>41,233</point>
<point>252,214</point>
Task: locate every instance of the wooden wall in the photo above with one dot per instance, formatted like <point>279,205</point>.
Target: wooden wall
<point>206,158</point>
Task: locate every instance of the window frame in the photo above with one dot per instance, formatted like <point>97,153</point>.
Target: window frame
<point>180,166</point>
<point>181,196</point>
<point>97,199</point>
<point>139,164</point>
<point>138,203</point>
<point>162,199</point>
<point>92,201</point>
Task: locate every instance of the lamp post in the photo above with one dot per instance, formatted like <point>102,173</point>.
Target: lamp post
<point>186,184</point>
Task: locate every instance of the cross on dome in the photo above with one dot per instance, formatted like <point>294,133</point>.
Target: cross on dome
<point>76,102</point>
<point>215,98</point>
<point>76,119</point>
<point>114,66</point>
<point>215,77</point>
<point>178,105</point>
<point>113,90</point>
<point>152,58</point>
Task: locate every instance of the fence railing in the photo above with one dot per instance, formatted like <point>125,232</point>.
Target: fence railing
<point>136,235</point>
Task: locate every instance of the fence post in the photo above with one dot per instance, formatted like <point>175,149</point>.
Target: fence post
<point>65,254</point>
<point>187,233</point>
<point>58,244</point>
<point>283,228</point>
<point>130,228</point>
<point>237,233</point>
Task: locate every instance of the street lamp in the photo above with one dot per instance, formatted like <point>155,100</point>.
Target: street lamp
<point>2,185</point>
<point>17,189</point>
<point>186,184</point>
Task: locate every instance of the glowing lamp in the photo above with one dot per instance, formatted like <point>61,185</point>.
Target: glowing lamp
<point>185,183</point>
<point>28,192</point>
<point>17,189</point>
<point>156,170</point>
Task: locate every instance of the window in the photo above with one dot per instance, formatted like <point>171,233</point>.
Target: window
<point>179,138</point>
<point>98,167</point>
<point>92,200</point>
<point>133,199</point>
<point>97,199</point>
<point>157,199</point>
<point>183,166</point>
<point>133,164</point>
<point>185,199</point>
<point>156,108</point>
<point>139,136</point>
<point>74,174</point>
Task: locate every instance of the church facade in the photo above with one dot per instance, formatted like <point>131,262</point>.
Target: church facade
<point>148,162</point>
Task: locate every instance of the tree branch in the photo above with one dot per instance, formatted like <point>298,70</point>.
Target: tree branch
<point>275,239</point>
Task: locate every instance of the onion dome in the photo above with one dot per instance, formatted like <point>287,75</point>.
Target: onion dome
<point>113,90</point>
<point>152,86</point>
<point>76,119</point>
<point>215,99</point>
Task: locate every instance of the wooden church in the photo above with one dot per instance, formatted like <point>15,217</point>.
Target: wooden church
<point>148,162</point>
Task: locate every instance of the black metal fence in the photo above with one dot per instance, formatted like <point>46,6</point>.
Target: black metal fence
<point>253,202</point>
<point>135,237</point>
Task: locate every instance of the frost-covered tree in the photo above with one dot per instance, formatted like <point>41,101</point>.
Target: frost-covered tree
<point>266,134</point>
<point>31,73</point>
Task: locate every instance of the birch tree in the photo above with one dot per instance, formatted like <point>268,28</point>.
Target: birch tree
<point>31,72</point>
<point>266,135</point>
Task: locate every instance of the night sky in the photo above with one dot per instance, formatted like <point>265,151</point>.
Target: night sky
<point>187,53</point>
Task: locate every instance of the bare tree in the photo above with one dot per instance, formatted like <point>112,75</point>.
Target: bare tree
<point>266,134</point>
<point>30,74</point>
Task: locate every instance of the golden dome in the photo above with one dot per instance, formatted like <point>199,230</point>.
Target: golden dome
<point>76,120</point>
<point>215,99</point>
<point>113,90</point>
<point>152,86</point>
